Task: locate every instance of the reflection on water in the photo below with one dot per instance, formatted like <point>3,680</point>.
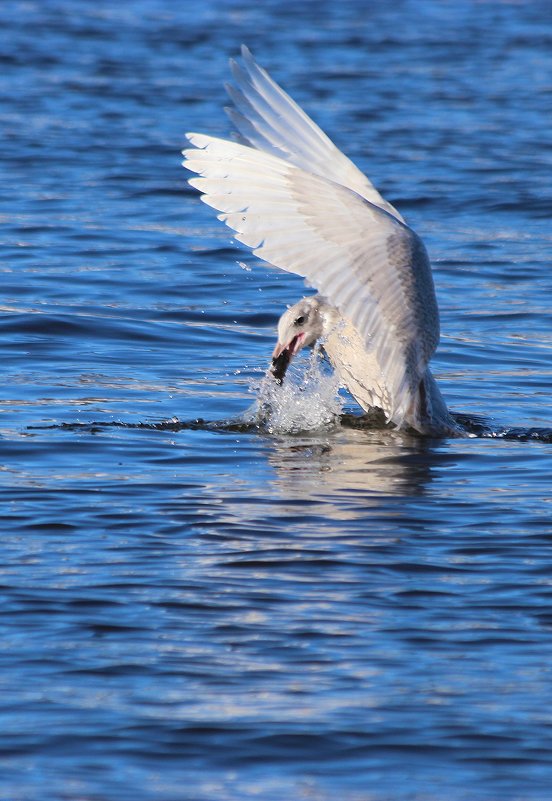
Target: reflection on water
<point>336,466</point>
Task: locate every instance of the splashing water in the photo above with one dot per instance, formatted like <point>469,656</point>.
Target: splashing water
<point>305,401</point>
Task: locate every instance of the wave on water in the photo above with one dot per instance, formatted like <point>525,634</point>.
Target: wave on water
<point>366,422</point>
<point>307,401</point>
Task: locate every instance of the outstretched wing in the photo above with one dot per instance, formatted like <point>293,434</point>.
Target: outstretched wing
<point>367,263</point>
<point>269,120</point>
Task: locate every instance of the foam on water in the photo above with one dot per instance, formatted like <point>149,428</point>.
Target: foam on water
<point>307,400</point>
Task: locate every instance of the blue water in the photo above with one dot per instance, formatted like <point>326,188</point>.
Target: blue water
<point>212,612</point>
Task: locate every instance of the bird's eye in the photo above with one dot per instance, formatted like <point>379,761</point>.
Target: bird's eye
<point>300,320</point>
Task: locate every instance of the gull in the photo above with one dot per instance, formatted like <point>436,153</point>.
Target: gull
<point>300,204</point>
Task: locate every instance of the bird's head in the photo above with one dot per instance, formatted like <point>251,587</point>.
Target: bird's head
<point>299,326</point>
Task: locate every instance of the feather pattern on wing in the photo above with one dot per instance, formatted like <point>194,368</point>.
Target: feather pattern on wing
<point>371,266</point>
<point>269,120</point>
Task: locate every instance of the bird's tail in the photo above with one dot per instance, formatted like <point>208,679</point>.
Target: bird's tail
<point>428,413</point>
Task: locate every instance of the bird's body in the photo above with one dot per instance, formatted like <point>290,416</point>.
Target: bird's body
<point>356,365</point>
<point>299,202</point>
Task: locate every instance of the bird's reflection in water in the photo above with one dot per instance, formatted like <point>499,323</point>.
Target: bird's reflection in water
<point>348,468</point>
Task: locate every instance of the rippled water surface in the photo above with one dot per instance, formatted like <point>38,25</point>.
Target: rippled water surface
<point>213,612</point>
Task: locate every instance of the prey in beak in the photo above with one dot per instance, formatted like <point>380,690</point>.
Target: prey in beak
<point>281,356</point>
<point>299,326</point>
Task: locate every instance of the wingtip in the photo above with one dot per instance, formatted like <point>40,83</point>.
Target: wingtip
<point>190,158</point>
<point>197,139</point>
<point>195,182</point>
<point>245,54</point>
<point>229,88</point>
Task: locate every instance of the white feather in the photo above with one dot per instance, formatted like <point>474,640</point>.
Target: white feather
<point>269,120</point>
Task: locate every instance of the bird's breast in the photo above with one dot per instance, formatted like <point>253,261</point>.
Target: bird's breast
<point>357,366</point>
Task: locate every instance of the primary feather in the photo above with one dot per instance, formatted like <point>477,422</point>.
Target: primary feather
<point>269,120</point>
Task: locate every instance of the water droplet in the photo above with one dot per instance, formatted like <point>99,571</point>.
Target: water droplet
<point>308,399</point>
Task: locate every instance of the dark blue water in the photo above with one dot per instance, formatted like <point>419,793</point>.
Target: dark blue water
<point>215,614</point>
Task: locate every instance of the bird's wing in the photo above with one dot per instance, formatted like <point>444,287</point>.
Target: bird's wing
<point>269,120</point>
<point>372,267</point>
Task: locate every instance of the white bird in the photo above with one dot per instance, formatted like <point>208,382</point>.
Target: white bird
<point>302,205</point>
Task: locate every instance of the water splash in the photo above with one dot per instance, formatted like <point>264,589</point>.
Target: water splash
<point>308,400</point>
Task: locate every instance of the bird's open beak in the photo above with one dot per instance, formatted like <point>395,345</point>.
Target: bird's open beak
<point>282,354</point>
